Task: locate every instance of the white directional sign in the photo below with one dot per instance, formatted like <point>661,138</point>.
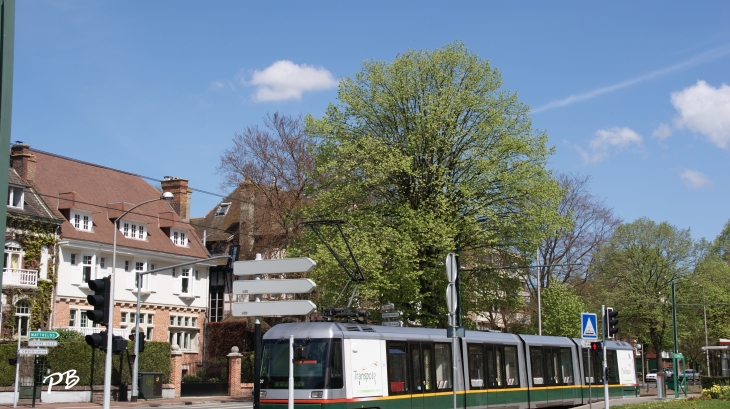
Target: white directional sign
<point>585,343</point>
<point>32,351</point>
<point>451,270</point>
<point>289,286</point>
<point>393,324</point>
<point>280,266</point>
<point>392,314</point>
<point>273,308</point>
<point>42,343</point>
<point>451,300</point>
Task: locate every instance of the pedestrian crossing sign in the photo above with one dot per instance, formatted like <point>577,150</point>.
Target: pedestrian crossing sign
<point>588,326</point>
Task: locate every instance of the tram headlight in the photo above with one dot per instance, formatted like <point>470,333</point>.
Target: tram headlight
<point>262,394</point>
<point>316,395</point>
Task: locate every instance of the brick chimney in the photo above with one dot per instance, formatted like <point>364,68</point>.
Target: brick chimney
<point>181,202</point>
<point>23,161</point>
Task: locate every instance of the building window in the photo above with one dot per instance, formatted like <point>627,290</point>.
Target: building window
<point>133,230</point>
<point>146,320</point>
<point>15,196</point>
<point>222,209</point>
<point>126,265</point>
<point>185,333</point>
<point>102,262</point>
<point>81,221</point>
<point>13,256</point>
<point>22,316</point>
<point>179,238</point>
<point>78,318</point>
<point>185,281</point>
<point>73,259</point>
<point>216,306</point>
<point>86,268</point>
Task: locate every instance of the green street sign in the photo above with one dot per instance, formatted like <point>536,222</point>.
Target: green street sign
<point>43,334</point>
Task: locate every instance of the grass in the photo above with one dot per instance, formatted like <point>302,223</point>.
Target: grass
<point>692,403</point>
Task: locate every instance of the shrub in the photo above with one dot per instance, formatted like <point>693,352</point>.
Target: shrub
<point>67,335</point>
<point>191,378</point>
<point>717,392</point>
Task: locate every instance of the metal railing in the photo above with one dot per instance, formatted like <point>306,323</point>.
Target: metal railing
<point>93,330</point>
<point>17,277</point>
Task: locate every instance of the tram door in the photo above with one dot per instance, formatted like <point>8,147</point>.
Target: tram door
<point>421,359</point>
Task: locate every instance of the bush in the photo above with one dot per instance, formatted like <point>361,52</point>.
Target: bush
<point>76,355</point>
<point>717,392</point>
<point>191,378</point>
<point>67,335</point>
<point>709,381</point>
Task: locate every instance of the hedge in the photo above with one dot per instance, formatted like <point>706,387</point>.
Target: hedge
<point>709,381</point>
<point>77,355</point>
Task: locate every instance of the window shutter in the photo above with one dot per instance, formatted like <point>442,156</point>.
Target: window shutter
<point>44,263</point>
<point>76,277</point>
<point>130,280</point>
<point>176,285</point>
<point>152,282</point>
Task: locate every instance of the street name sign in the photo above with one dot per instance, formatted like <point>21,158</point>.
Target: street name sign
<point>387,307</point>
<point>272,308</point>
<point>393,324</point>
<point>392,314</point>
<point>588,326</point>
<point>42,343</point>
<point>32,351</point>
<point>43,334</point>
<point>278,266</point>
<point>585,343</point>
<point>288,286</point>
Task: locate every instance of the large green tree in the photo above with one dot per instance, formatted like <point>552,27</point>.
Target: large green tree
<point>561,308</point>
<point>422,156</point>
<point>634,271</point>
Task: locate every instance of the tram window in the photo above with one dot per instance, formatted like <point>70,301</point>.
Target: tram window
<point>498,379</point>
<point>612,363</point>
<point>536,360</point>
<point>596,368</point>
<point>416,368</point>
<point>491,366</point>
<point>552,370</point>
<point>511,367</point>
<point>442,354</point>
<point>426,350</point>
<point>397,369</point>
<point>336,365</point>
<point>476,366</point>
<point>566,365</point>
<point>309,368</point>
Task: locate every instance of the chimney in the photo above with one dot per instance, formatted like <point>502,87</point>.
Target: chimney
<point>23,161</point>
<point>181,202</point>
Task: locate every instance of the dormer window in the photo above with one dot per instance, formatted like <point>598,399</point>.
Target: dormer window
<point>179,238</point>
<point>133,230</point>
<point>81,221</point>
<point>15,197</point>
<point>222,209</point>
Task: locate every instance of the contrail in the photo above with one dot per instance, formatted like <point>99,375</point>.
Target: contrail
<point>706,56</point>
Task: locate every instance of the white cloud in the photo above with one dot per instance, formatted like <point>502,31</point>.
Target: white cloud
<point>694,179</point>
<point>664,131</point>
<point>705,110</point>
<point>284,80</point>
<point>607,140</point>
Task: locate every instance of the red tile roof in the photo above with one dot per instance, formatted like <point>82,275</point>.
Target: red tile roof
<point>95,188</point>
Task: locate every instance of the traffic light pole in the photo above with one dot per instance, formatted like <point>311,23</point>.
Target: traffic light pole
<point>140,275</point>
<point>604,319</point>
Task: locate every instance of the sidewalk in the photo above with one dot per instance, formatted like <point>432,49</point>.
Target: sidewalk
<point>140,403</point>
<point>626,401</point>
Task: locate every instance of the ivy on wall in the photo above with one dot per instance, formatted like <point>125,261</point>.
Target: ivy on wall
<point>33,235</point>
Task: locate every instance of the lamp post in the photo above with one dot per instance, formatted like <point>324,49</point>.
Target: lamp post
<point>110,327</point>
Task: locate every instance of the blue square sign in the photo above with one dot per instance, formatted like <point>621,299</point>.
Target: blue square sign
<point>588,326</point>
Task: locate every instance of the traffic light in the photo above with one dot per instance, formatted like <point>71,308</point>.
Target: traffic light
<point>97,340</point>
<point>608,373</point>
<point>597,346</point>
<point>100,300</point>
<point>119,344</point>
<point>611,322</point>
<point>141,340</point>
<point>233,252</point>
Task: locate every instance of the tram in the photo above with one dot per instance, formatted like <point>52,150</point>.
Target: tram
<point>340,365</point>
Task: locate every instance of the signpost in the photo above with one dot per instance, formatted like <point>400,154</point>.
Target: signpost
<point>32,351</point>
<point>43,334</point>
<point>42,343</point>
<point>258,308</point>
<point>452,302</point>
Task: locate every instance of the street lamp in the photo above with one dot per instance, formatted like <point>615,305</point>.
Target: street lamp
<point>167,196</point>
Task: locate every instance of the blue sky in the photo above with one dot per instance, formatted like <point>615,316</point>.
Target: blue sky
<point>634,94</point>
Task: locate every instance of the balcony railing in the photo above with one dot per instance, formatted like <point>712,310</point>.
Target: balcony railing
<point>93,330</point>
<point>16,277</point>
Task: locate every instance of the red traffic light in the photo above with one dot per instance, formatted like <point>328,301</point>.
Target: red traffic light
<point>131,337</point>
<point>596,346</point>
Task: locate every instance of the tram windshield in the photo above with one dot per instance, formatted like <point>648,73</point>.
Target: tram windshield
<point>315,362</point>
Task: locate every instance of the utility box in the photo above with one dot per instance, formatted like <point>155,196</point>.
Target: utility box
<point>660,385</point>
<point>150,385</point>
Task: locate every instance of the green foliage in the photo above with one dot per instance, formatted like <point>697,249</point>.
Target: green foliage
<point>709,381</point>
<point>67,335</point>
<point>419,157</point>
<point>634,271</point>
<point>247,367</point>
<point>191,379</point>
<point>561,309</point>
<point>77,356</point>
<point>717,392</point>
<point>691,403</point>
